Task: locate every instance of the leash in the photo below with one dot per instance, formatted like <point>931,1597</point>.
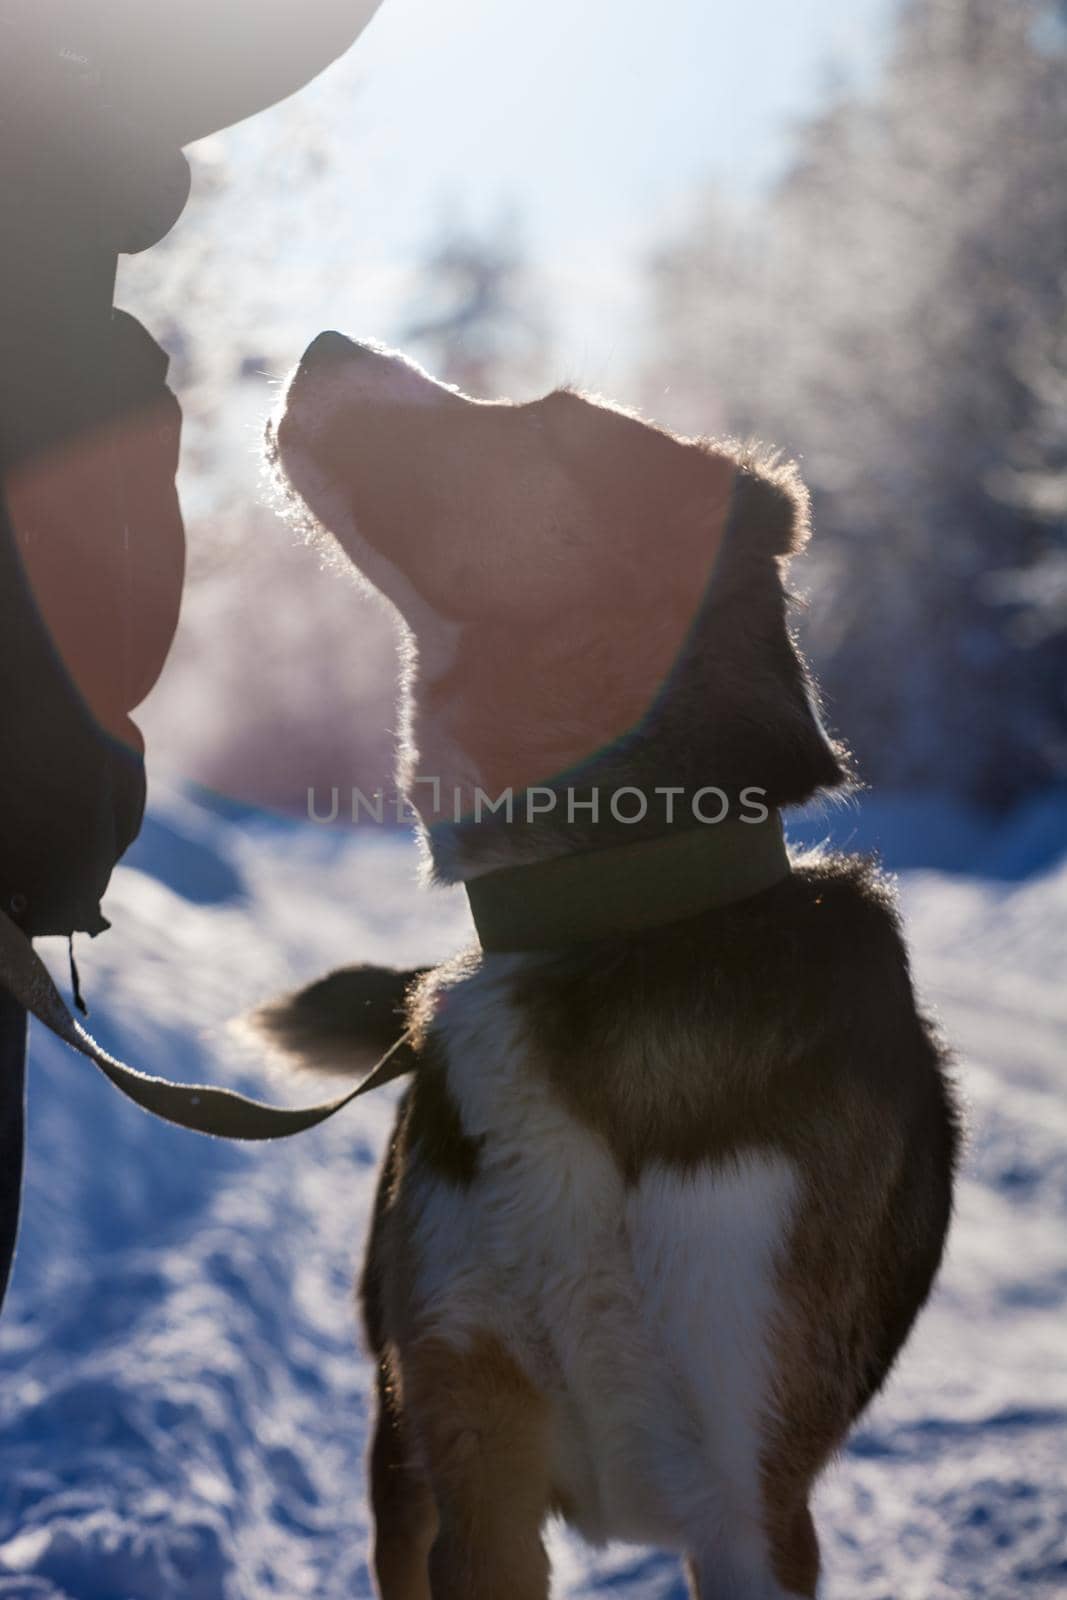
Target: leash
<point>197,1106</point>
<point>567,900</point>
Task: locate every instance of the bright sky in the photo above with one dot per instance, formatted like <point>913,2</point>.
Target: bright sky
<point>594,114</point>
<point>592,119</point>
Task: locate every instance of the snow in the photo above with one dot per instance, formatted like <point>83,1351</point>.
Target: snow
<point>183,1406</point>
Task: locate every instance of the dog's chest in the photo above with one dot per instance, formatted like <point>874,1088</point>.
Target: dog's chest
<point>641,1309</point>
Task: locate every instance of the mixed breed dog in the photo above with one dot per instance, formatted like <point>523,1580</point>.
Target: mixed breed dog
<point>673,1174</point>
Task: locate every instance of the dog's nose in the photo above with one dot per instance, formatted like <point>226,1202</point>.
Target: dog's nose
<point>328,347</point>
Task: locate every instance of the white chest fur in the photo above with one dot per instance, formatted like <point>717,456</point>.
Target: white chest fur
<point>643,1310</point>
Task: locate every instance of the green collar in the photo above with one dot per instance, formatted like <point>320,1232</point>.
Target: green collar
<point>623,888</point>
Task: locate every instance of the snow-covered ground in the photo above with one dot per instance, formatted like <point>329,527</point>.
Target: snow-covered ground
<point>183,1411</point>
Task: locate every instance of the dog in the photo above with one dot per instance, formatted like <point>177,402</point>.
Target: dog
<point>674,1173</point>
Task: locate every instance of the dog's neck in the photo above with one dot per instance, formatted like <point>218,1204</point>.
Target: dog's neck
<point>576,710</point>
<point>500,754</point>
<point>626,889</point>
<point>699,759</point>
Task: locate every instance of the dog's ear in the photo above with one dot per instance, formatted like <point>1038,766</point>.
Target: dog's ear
<point>770,511</point>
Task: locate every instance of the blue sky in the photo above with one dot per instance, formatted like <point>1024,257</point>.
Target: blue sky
<point>594,115</point>
<point>592,120</point>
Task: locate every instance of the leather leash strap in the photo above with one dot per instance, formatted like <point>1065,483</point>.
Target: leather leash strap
<point>221,1112</point>
<point>563,901</point>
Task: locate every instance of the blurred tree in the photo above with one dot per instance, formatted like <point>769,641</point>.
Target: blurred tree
<point>478,318</point>
<point>282,676</point>
<point>896,314</point>
<point>225,345</point>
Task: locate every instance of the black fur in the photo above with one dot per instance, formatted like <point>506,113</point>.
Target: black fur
<point>349,1017</point>
<point>783,1024</point>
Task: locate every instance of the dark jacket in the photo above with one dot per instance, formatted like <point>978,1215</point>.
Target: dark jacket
<point>96,101</point>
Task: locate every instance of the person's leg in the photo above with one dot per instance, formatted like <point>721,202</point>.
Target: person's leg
<point>12,1125</point>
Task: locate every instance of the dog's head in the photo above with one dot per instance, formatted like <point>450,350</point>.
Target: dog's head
<point>584,594</point>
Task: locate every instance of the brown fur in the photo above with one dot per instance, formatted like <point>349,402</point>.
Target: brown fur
<point>402,1500</point>
<point>483,1442</point>
<point>837,1072</point>
<point>459,1460</point>
<point>618,617</point>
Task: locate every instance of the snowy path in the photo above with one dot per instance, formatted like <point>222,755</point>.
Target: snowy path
<point>182,1414</point>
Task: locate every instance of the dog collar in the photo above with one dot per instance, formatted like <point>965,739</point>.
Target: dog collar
<point>596,894</point>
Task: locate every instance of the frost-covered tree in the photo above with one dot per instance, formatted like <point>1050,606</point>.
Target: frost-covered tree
<point>282,674</point>
<point>896,315</point>
<point>478,317</point>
